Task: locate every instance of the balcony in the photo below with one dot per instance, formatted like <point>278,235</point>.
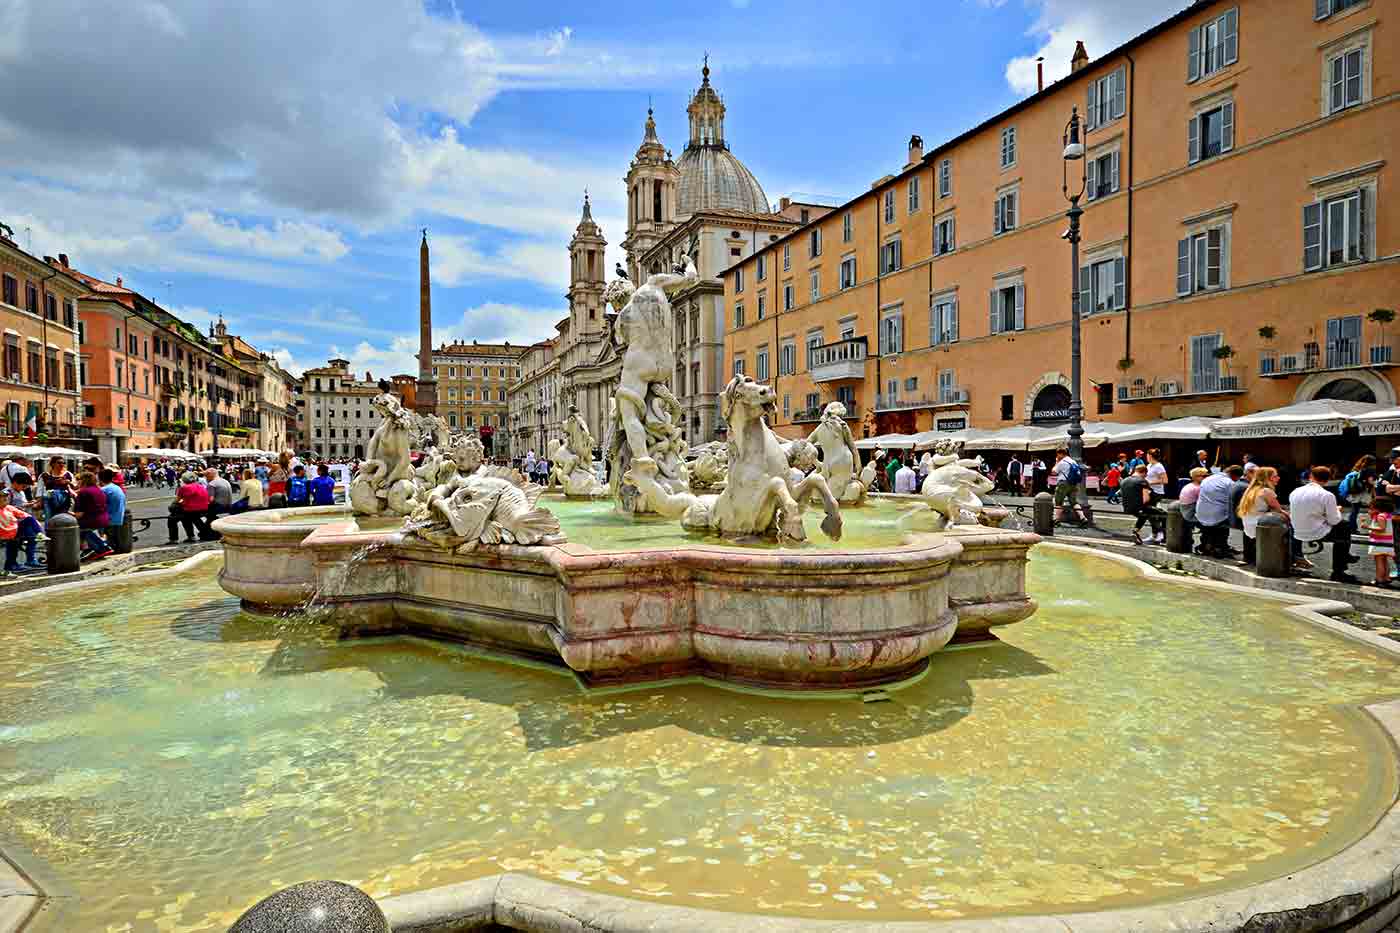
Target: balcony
<point>952,397</point>
<point>1347,353</point>
<point>844,359</point>
<point>813,415</point>
<point>1150,390</point>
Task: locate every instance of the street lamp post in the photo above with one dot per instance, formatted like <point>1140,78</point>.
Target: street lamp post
<point>1074,152</point>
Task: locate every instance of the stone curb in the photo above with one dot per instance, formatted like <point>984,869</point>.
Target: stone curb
<point>1354,891</point>
<point>19,897</point>
<point>112,566</point>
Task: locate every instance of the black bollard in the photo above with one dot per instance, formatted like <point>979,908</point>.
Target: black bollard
<point>64,549</point>
<point>1271,551</point>
<point>277,501</point>
<point>119,536</point>
<point>1178,531</point>
<point>314,907</point>
<point>1043,512</point>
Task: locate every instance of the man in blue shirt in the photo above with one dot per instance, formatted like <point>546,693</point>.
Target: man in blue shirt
<point>116,497</point>
<point>323,487</point>
<point>298,489</point>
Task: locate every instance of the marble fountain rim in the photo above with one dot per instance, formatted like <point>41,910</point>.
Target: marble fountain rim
<point>1357,889</point>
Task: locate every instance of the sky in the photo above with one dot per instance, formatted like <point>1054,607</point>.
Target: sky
<point>272,162</point>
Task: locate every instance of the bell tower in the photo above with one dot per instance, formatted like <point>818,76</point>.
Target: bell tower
<point>586,276</point>
<point>652,183</point>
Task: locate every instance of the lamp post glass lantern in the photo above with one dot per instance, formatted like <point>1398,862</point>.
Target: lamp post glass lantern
<point>1074,153</point>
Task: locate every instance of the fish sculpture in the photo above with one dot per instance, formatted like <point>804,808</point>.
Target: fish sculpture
<point>485,507</point>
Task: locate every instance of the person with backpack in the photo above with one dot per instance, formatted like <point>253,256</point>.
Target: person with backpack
<point>1069,486</point>
<point>298,488</point>
<point>1357,488</point>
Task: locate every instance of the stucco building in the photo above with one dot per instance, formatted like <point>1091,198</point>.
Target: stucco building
<point>337,418</point>
<point>472,380</point>
<point>1236,239</point>
<point>536,412</point>
<point>40,367</point>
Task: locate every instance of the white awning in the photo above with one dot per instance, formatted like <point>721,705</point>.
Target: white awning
<point>900,441</point>
<point>1384,421</point>
<point>41,453</point>
<point>1317,418</point>
<point>237,452</point>
<point>926,440</point>
<point>1193,428</point>
<point>166,452</point>
<point>1019,437</point>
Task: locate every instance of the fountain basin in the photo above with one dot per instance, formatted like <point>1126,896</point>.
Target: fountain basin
<point>669,605</point>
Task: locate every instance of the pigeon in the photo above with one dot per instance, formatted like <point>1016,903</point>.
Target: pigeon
<point>620,272</point>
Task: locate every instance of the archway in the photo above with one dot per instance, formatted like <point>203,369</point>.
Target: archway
<point>1347,390</point>
<point>1050,405</point>
<point>1361,385</point>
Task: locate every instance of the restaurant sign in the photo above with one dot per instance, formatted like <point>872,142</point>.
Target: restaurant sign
<point>1279,429</point>
<point>951,424</point>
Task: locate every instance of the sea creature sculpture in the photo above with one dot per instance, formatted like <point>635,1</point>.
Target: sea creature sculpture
<point>572,459</point>
<point>385,480</point>
<point>839,455</point>
<point>954,487</point>
<point>485,507</point>
<point>710,470</point>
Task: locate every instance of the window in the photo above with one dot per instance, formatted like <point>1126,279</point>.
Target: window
<point>1344,85</point>
<point>738,315</point>
<point>1104,390</point>
<point>846,232</point>
<point>761,267</point>
<point>787,406</point>
<point>1103,176</point>
<point>1200,261</point>
<point>1326,8</point>
<point>1102,286</point>
<point>1343,341</point>
<point>452,372</point>
<point>1008,147</point>
<point>814,243</point>
<point>1004,213</point>
<point>762,304</point>
<point>1211,132</point>
<point>889,206</point>
<point>1007,403</point>
<point>787,359</point>
<point>943,321</point>
<point>51,307</point>
<point>945,178</point>
<point>31,298</point>
<point>848,272</point>
<point>816,281</point>
<point>738,366</point>
<point>451,420</point>
<point>814,340</point>
<point>9,290</point>
<point>12,366</point>
<point>787,256</point>
<point>1205,367</point>
<point>944,240</point>
<point>1008,308</point>
<point>814,401</point>
<point>35,365</point>
<point>1213,46</point>
<point>121,412</point>
<point>892,333</point>
<point>914,194</point>
<point>788,299</point>
<point>739,281</point>
<point>70,313</point>
<point>761,364</point>
<point>1336,231</point>
<point>947,390</point>
<point>891,257</point>
<point>1107,100</point>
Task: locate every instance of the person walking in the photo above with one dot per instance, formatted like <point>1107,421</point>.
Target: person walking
<point>322,486</point>
<point>1137,459</point>
<point>1259,499</point>
<point>892,470</point>
<point>1141,502</point>
<point>1069,485</point>
<point>1014,466</point>
<point>1112,479</point>
<point>1382,537</point>
<point>90,506</point>
<point>1316,516</point>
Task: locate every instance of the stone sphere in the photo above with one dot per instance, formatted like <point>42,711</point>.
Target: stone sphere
<point>314,907</point>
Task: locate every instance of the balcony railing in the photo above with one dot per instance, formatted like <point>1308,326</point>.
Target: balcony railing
<point>812,415</point>
<point>844,359</point>
<point>896,402</point>
<point>1143,390</point>
<point>1347,353</point>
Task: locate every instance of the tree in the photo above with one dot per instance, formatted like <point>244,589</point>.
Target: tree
<point>1224,352</point>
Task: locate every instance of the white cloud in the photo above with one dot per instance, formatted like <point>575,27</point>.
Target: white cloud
<point>558,40</point>
<point>1102,25</point>
<point>285,239</point>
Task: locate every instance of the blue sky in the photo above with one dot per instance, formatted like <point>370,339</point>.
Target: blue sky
<point>273,162</point>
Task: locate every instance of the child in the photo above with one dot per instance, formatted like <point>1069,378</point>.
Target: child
<point>17,527</point>
<point>1382,537</point>
<point>322,487</point>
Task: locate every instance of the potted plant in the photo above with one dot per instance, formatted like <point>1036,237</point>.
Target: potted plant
<point>1384,317</point>
<point>1225,352</point>
<point>1268,332</point>
<point>1126,363</point>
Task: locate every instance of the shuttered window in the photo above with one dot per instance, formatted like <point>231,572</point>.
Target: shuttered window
<point>1008,147</point>
<point>1004,213</point>
<point>945,236</point>
<point>1336,231</point>
<point>1201,261</point>
<point>1344,80</point>
<point>1008,309</point>
<point>1108,97</point>
<point>1210,133</point>
<point>1103,176</point>
<point>943,322</point>
<point>1213,45</point>
<point>848,272</point>
<point>945,178</point>
<point>1102,286</point>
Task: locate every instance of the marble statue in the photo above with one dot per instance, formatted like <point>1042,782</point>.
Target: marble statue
<point>484,507</point>
<point>954,487</point>
<point>572,459</point>
<point>710,470</point>
<point>644,431</point>
<point>839,455</point>
<point>872,470</point>
<point>431,431</point>
<point>802,457</point>
<point>385,480</point>
<point>760,496</point>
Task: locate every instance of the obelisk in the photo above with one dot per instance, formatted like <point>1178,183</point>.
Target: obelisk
<point>426,402</point>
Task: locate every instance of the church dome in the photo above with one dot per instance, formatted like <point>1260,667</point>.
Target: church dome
<point>712,177</point>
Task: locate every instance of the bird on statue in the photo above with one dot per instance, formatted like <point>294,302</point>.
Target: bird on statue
<point>620,272</point>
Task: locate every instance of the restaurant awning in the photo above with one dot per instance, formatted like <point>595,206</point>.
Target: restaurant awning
<point>1382,421</point>
<point>34,452</point>
<point>1193,428</point>
<point>167,452</point>
<point>236,452</point>
<point>894,441</point>
<point>1317,418</point>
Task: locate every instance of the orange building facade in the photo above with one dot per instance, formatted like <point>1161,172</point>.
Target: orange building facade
<point>1240,231</point>
<point>119,388</point>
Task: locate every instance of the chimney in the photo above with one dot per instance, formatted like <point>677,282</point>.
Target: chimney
<point>916,150</point>
<point>1040,74</point>
<point>63,260</point>
<point>1080,59</point>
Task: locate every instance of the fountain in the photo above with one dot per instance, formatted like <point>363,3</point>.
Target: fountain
<point>736,589</point>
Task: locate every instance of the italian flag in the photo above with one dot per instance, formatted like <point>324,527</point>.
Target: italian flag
<point>31,427</point>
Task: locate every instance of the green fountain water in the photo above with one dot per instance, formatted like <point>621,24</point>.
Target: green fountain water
<point>169,761</point>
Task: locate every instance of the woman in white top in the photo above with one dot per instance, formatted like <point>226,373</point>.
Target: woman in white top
<point>1156,472</point>
<point>250,492</point>
<point>1260,499</point>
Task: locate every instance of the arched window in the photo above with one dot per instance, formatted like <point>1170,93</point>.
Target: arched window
<point>656,201</point>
